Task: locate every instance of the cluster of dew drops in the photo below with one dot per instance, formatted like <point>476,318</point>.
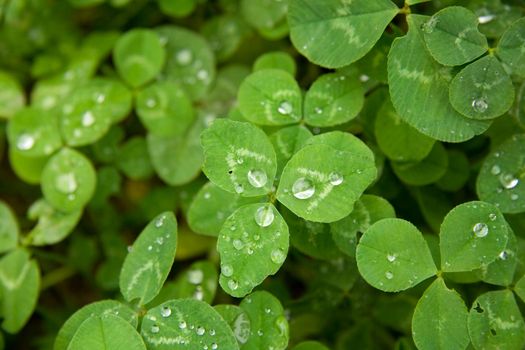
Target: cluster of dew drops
<point>166,312</point>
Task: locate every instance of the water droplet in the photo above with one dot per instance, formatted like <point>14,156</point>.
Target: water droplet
<point>514,196</point>
<point>303,188</point>
<point>88,119</point>
<point>25,142</point>
<point>364,78</point>
<point>165,311</point>
<point>485,18</point>
<point>479,105</point>
<point>159,240</point>
<point>214,346</point>
<point>267,310</point>
<point>391,257</point>
<point>428,26</point>
<point>495,170</point>
<point>150,248</point>
<point>285,108</point>
<point>249,251</point>
<point>200,330</point>
<point>318,110</point>
<point>202,74</point>
<point>278,255</point>
<point>335,178</point>
<point>503,255</point>
<point>184,57</point>
<point>264,216</point>
<point>66,183</point>
<point>151,102</point>
<point>195,276</point>
<point>238,244</point>
<point>100,98</point>
<point>240,160</point>
<point>480,229</point>
<point>389,275</point>
<point>260,333</point>
<point>227,270</point>
<point>212,331</point>
<point>239,188</point>
<point>160,221</point>
<point>232,284</point>
<point>182,325</point>
<point>155,329</point>
<point>508,181</point>
<point>199,293</point>
<point>492,216</point>
<point>257,178</point>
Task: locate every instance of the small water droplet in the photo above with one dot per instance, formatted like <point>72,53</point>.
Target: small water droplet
<point>239,188</point>
<point>199,293</point>
<point>278,255</point>
<point>495,170</point>
<point>214,346</point>
<point>480,229</point>
<point>264,216</point>
<point>428,26</point>
<point>202,74</point>
<point>165,311</point>
<point>508,181</point>
<point>485,18</point>
<point>391,257</point>
<point>479,105</point>
<point>260,333</point>
<point>88,119</point>
<point>257,178</point>
<point>160,221</point>
<point>303,188</point>
<point>285,108</point>
<point>492,216</point>
<point>232,284</point>
<point>503,255</point>
<point>100,98</point>
<point>184,57</point>
<point>249,251</point>
<point>389,275</point>
<point>238,244</point>
<point>240,160</point>
<point>25,142</point>
<point>318,110</point>
<point>195,276</point>
<point>200,330</point>
<point>335,179</point>
<point>155,328</point>
<point>227,270</point>
<point>207,195</point>
<point>182,325</point>
<point>159,240</point>
<point>66,183</point>
<point>268,310</point>
<point>514,196</point>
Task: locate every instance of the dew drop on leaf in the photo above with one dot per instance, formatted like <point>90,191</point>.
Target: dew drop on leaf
<point>165,311</point>
<point>214,346</point>
<point>318,110</point>
<point>66,183</point>
<point>335,179</point>
<point>159,222</point>
<point>485,18</point>
<point>199,293</point>
<point>257,178</point>
<point>508,181</point>
<point>480,229</point>
<point>391,257</point>
<point>264,216</point>
<point>25,142</point>
<point>492,216</point>
<point>182,325</point>
<point>88,119</point>
<point>200,330</point>
<point>232,284</point>
<point>285,108</point>
<point>155,329</point>
<point>239,188</point>
<point>479,105</point>
<point>184,57</point>
<point>495,170</point>
<point>503,255</point>
<point>151,102</point>
<point>238,244</point>
<point>514,197</point>
<point>389,275</point>
<point>195,276</point>
<point>278,256</point>
<point>303,188</point>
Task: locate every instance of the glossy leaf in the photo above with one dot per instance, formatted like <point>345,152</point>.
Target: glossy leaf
<point>276,60</point>
<point>253,244</point>
<point>148,264</point>
<point>12,96</point>
<point>286,142</point>
<point>427,171</point>
<point>510,45</point>
<point>9,229</point>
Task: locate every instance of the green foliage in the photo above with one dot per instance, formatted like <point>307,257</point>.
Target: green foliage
<point>262,174</point>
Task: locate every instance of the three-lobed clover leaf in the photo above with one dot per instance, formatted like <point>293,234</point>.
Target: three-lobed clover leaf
<point>253,244</point>
<point>239,158</point>
<point>186,324</point>
<point>429,170</point>
<point>149,261</point>
<point>287,141</point>
<point>392,255</point>
<point>335,33</point>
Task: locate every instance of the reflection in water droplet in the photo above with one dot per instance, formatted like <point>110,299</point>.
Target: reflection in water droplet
<point>495,170</point>
<point>232,284</point>
<point>508,181</point>
<point>389,275</point>
<point>303,188</point>
<point>165,311</point>
<point>480,105</point>
<point>257,178</point>
<point>480,229</point>
<point>264,216</point>
<point>335,179</point>
<point>285,108</point>
<point>227,270</point>
<point>184,57</point>
<point>278,255</point>
<point>66,183</point>
<point>25,142</point>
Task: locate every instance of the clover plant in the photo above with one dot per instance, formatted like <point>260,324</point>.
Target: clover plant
<point>262,174</point>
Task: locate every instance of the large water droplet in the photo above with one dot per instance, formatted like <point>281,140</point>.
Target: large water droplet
<point>264,216</point>
<point>165,311</point>
<point>257,178</point>
<point>303,188</point>
<point>232,284</point>
<point>277,256</point>
<point>495,170</point>
<point>335,179</point>
<point>184,57</point>
<point>88,119</point>
<point>66,183</point>
<point>508,181</point>
<point>155,329</point>
<point>285,108</point>
<point>480,229</point>
<point>479,105</point>
<point>389,275</point>
<point>25,142</point>
<point>195,276</point>
<point>227,270</point>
